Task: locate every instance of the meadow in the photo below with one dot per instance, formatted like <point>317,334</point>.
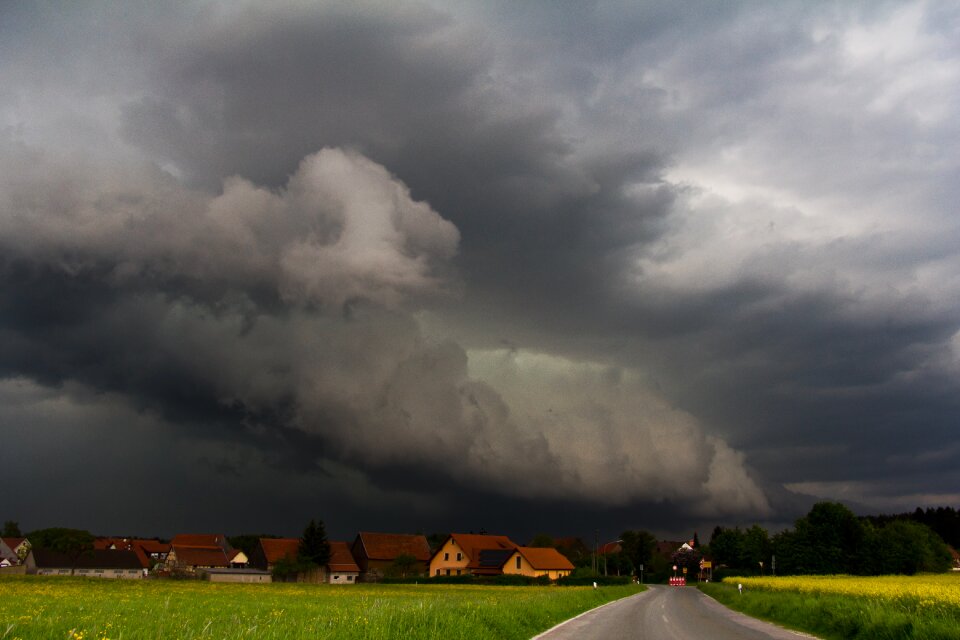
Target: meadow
<point>34,608</point>
<point>879,608</point>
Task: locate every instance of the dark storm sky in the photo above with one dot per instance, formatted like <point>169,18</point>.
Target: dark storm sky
<point>437,266</point>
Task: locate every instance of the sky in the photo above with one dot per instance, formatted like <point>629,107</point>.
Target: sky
<point>563,267</point>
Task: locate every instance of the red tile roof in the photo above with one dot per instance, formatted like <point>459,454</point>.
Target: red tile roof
<point>276,549</point>
<point>610,547</point>
<point>199,540</point>
<point>387,546</point>
<point>150,546</point>
<point>341,560</point>
<point>153,546</point>
<point>201,557</point>
<point>144,559</point>
<point>202,550</point>
<point>545,559</point>
<point>13,543</point>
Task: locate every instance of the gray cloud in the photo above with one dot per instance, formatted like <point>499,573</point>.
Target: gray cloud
<point>287,307</point>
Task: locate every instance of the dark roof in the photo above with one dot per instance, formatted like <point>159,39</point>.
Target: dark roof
<point>95,559</point>
<point>667,548</point>
<point>494,558</point>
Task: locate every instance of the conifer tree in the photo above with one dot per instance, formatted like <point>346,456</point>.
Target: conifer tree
<point>314,548</point>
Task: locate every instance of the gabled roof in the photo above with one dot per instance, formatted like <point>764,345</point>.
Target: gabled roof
<point>132,544</point>
<point>473,543</point>
<point>142,556</point>
<point>609,548</point>
<point>13,543</point>
<point>341,560</point>
<point>201,557</point>
<point>276,549</point>
<point>153,546</point>
<point>388,546</point>
<point>95,559</point>
<point>545,559</point>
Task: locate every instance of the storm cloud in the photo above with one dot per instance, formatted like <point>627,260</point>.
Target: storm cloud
<point>620,260</point>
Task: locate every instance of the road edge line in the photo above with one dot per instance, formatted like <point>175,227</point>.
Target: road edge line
<point>576,617</point>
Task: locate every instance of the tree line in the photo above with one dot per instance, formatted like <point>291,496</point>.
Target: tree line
<point>830,539</point>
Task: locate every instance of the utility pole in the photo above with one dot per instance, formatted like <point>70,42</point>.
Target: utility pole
<point>596,549</point>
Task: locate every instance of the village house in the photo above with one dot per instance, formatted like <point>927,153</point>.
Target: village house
<point>535,562</point>
<point>270,551</point>
<point>150,552</point>
<point>7,556</point>
<point>97,563</point>
<point>377,553</point>
<point>342,568</point>
<point>190,552</point>
<point>471,554</point>
<point>13,551</point>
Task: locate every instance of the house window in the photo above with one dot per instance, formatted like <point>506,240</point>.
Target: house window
<point>349,578</point>
<point>458,571</point>
<point>446,556</point>
<point>336,577</point>
<point>448,571</point>
<point>459,557</point>
<point>518,562</point>
<point>438,571</point>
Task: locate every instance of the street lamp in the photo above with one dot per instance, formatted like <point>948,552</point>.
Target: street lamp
<point>605,554</point>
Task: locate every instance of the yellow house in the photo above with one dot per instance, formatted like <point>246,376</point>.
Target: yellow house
<point>471,554</point>
<point>535,562</point>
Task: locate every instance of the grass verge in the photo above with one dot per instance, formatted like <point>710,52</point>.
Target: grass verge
<point>32,608</point>
<point>843,616</point>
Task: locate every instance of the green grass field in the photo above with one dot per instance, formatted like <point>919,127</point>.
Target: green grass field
<point>924,607</point>
<point>34,608</point>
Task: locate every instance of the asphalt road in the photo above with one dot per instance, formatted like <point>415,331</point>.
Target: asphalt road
<point>667,613</point>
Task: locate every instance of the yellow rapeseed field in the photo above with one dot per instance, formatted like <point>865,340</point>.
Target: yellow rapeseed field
<point>931,591</point>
